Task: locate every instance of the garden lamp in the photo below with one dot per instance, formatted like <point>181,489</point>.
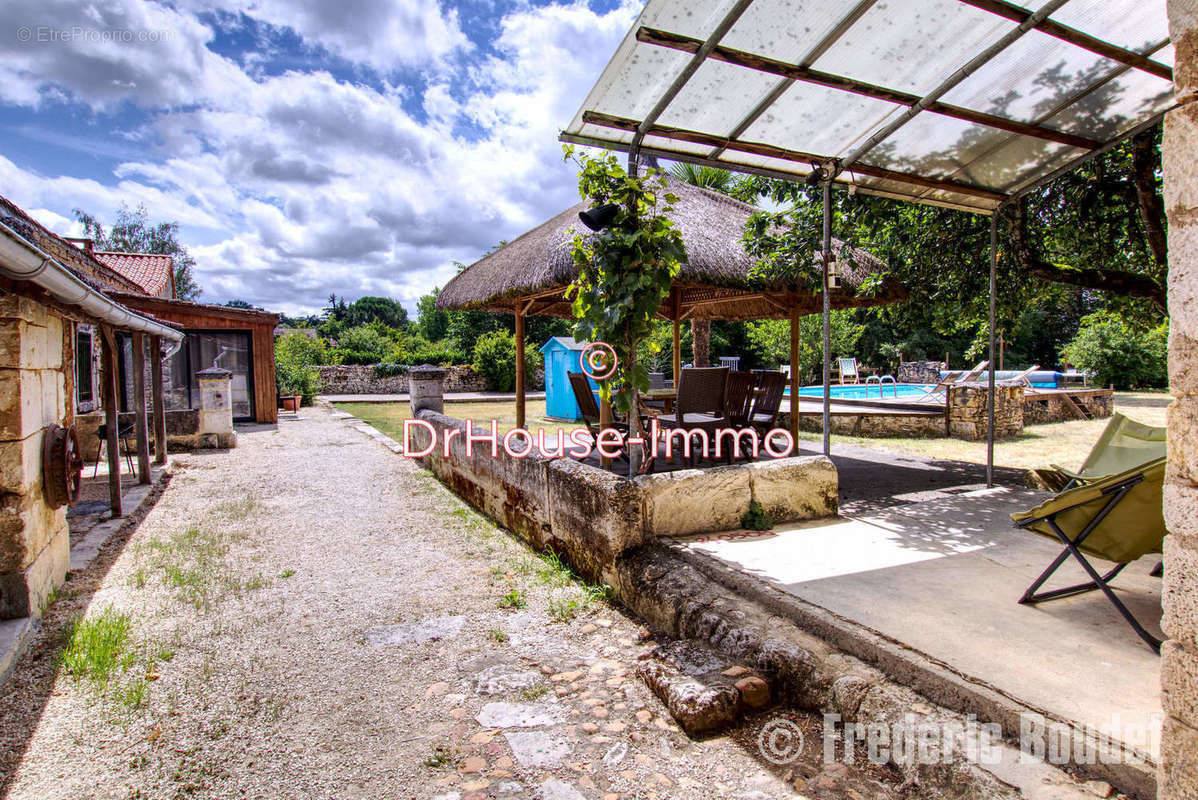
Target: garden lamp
<point>600,217</point>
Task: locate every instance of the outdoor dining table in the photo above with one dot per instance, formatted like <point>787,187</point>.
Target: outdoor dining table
<point>664,396</point>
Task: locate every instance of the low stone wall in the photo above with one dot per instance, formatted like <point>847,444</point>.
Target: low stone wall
<point>182,432</point>
<point>1039,409</point>
<point>875,424</point>
<point>920,371</point>
<point>967,407</point>
<point>358,379</point>
<point>592,515</point>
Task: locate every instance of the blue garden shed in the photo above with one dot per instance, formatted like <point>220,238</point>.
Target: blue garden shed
<point>562,355</point>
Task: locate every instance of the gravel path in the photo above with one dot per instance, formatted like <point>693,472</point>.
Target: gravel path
<point>312,616</point>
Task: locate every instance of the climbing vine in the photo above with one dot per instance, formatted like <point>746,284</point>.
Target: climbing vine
<point>625,270</point>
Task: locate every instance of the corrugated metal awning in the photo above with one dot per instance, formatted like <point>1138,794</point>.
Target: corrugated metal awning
<point>962,103</point>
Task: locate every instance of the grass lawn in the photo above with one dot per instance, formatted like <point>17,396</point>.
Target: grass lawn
<point>389,417</point>
<point>1064,443</point>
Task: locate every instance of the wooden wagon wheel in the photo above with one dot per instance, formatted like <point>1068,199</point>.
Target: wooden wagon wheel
<point>62,465</point>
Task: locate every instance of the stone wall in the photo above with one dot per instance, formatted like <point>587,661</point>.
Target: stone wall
<point>182,432</point>
<point>36,390</point>
<point>967,416</point>
<point>591,515</point>
<point>1178,776</point>
<point>356,379</point>
<point>1039,409</point>
<point>873,424</point>
<point>920,371</point>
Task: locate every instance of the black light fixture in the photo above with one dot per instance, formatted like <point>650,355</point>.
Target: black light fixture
<point>600,217</point>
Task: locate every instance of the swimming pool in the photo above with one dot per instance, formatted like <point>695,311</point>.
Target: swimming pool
<point>867,392</point>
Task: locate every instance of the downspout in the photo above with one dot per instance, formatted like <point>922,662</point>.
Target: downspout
<point>22,260</point>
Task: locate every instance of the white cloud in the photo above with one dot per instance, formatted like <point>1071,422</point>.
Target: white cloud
<point>291,187</point>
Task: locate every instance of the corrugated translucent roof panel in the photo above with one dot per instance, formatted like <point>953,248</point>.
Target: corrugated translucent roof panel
<point>792,83</point>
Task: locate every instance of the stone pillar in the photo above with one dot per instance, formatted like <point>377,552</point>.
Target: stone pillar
<point>34,541</point>
<point>966,418</point>
<point>426,388</point>
<point>216,406</point>
<point>1178,777</point>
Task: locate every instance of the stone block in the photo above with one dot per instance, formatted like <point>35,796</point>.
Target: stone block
<point>595,515</point>
<point>1178,775</point>
<point>1179,683</point>
<point>20,403</point>
<point>1181,510</point>
<point>19,307</point>
<point>1183,365</point>
<point>1183,271</point>
<point>20,464</point>
<point>24,593</point>
<point>1183,439</point>
<point>791,489</point>
<point>1179,591</point>
<point>695,501</point>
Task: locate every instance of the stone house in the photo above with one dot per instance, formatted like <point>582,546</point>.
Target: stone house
<point>56,307</point>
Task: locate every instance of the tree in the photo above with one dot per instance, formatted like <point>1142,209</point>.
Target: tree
<point>431,323</point>
<point>714,178</point>
<point>366,310</point>
<point>132,232</point>
<point>243,304</point>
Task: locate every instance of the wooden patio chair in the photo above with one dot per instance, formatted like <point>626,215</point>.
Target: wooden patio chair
<point>701,402</point>
<point>584,395</point>
<point>1117,518</point>
<point>738,406</point>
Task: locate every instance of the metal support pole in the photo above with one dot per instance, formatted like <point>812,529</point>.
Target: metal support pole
<point>991,394</point>
<point>827,256</point>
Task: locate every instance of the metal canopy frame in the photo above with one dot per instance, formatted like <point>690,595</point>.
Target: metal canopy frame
<point>955,190</point>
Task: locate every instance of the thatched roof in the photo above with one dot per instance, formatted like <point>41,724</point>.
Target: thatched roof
<point>533,270</point>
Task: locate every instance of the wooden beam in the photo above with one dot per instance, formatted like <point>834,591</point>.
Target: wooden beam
<point>519,368</point>
<point>795,72</point>
<point>110,375</point>
<point>794,375</point>
<point>675,312</point>
<point>1075,37</point>
<point>158,395</point>
<point>140,428</point>
<point>784,154</point>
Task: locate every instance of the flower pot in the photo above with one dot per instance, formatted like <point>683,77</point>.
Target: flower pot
<point>292,402</point>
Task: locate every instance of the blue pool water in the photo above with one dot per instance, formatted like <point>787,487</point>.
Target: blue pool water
<point>870,392</point>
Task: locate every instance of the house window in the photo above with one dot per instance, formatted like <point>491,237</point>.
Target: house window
<point>84,388</point>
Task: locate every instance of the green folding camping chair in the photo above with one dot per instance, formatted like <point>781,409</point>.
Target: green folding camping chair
<point>1117,518</point>
<point>1124,443</point>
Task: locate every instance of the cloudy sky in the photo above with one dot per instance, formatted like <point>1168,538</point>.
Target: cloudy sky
<point>305,147</point>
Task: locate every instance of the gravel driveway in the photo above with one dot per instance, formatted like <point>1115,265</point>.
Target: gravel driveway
<point>312,616</point>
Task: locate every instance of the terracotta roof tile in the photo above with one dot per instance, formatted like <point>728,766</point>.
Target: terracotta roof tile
<point>153,273</point>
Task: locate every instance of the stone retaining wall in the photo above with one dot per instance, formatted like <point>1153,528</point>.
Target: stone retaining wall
<point>182,432</point>
<point>592,515</point>
<point>967,407</point>
<point>1039,409</point>
<point>874,424</point>
<point>920,372</point>
<point>358,379</point>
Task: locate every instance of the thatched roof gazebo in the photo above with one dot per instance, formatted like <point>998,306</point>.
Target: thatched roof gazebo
<point>529,275</point>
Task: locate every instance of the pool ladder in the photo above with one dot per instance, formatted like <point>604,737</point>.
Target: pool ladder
<point>881,382</point>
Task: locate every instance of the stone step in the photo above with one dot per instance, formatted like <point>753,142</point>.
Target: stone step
<point>703,690</point>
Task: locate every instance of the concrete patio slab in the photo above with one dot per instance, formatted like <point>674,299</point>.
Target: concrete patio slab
<point>942,578</point>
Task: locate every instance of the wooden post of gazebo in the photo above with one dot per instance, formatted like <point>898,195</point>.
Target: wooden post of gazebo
<point>519,364</point>
<point>675,315</point>
<point>794,375</point>
<point>158,396</point>
<point>140,428</point>
<point>110,376</point>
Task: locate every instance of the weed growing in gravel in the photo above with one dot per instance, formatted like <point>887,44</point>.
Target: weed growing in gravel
<point>441,756</point>
<point>533,692</point>
<point>287,573</point>
<point>498,635</point>
<point>236,509</point>
<point>98,646</point>
<point>564,609</point>
<point>194,564</point>
<point>513,599</point>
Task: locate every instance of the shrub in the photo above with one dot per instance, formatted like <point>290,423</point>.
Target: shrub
<point>1120,353</point>
<point>296,359</point>
<point>495,360</point>
<point>364,344</point>
<point>756,518</point>
<point>388,369</point>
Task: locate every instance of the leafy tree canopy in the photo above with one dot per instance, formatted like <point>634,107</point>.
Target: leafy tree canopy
<point>132,232</point>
